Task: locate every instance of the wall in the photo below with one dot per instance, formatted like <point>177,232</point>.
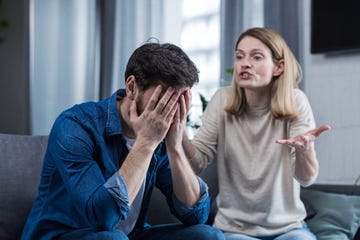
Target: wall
<point>332,84</point>
<point>14,68</point>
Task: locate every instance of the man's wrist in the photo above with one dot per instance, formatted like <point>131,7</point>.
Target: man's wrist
<point>145,146</point>
<point>176,151</point>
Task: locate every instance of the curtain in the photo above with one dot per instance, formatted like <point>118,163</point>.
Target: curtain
<point>283,16</point>
<point>79,49</point>
<point>231,24</point>
<point>236,16</point>
<point>127,24</point>
<point>118,40</point>
<point>64,53</point>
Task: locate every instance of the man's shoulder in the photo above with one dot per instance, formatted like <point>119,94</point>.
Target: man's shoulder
<point>94,109</point>
<point>90,115</point>
<point>86,111</point>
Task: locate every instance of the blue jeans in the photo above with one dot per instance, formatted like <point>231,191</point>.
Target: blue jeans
<point>303,233</point>
<point>159,232</point>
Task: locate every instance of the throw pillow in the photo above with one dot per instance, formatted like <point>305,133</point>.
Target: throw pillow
<point>337,215</point>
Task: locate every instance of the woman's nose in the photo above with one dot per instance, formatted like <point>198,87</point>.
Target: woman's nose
<point>245,63</point>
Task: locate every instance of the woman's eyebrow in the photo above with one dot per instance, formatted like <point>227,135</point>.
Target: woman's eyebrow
<point>251,51</point>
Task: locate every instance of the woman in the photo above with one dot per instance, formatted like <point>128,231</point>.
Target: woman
<point>261,132</point>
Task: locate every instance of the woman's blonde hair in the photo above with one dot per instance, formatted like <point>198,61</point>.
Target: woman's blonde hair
<point>282,95</point>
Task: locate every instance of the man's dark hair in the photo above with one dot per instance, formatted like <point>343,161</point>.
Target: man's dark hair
<point>154,63</point>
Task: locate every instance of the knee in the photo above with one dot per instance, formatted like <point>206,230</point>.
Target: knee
<point>91,235</point>
<point>107,235</point>
<point>118,235</point>
<point>206,232</point>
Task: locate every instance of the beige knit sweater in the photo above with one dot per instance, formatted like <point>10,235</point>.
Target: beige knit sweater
<point>258,193</point>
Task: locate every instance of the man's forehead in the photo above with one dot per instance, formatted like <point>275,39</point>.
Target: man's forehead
<point>178,88</point>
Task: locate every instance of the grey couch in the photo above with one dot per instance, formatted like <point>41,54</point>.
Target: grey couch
<point>20,166</point>
<point>21,160</point>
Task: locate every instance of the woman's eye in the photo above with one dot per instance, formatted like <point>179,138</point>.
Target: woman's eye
<point>239,57</point>
<point>257,57</point>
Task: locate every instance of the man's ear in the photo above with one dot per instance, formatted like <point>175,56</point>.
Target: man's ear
<point>279,68</point>
<point>131,87</point>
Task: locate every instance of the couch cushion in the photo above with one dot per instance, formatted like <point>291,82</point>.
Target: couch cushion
<point>20,166</point>
<point>337,215</point>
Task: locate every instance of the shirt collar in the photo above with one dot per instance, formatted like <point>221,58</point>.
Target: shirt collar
<point>113,121</point>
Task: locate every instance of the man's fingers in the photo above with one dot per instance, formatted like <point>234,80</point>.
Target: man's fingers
<point>187,97</point>
<point>183,108</point>
<point>177,116</point>
<point>153,101</point>
<point>168,103</point>
<point>164,101</point>
<point>133,110</point>
<point>170,116</point>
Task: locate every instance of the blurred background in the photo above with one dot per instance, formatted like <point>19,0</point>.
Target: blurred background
<point>57,53</point>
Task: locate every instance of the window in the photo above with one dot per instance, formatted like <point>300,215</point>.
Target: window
<point>200,39</point>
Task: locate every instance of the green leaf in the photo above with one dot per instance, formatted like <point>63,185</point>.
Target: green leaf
<point>204,101</point>
<point>230,71</point>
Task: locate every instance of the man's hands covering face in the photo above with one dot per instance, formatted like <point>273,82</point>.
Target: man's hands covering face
<point>175,134</point>
<point>154,122</point>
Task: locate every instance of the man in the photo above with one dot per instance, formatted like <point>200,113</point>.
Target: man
<point>104,158</point>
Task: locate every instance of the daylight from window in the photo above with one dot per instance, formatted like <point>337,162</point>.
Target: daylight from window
<point>200,39</point>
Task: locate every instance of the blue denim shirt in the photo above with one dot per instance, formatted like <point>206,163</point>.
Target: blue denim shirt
<point>80,187</point>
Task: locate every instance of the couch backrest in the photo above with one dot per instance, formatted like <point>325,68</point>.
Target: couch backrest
<point>21,160</point>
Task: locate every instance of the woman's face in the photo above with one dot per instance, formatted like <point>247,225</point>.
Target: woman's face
<point>254,67</point>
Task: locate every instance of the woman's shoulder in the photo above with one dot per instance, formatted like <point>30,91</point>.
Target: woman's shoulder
<point>300,95</point>
<point>302,101</point>
<point>226,89</point>
<point>219,99</point>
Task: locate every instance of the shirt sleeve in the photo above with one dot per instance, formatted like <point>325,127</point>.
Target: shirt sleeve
<point>199,211</point>
<point>82,177</point>
<point>117,188</point>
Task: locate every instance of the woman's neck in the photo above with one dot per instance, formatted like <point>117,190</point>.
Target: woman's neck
<point>256,98</point>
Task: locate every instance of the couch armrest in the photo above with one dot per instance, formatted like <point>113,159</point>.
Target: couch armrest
<point>21,160</point>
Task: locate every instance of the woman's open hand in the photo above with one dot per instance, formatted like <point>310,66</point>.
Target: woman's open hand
<point>304,142</point>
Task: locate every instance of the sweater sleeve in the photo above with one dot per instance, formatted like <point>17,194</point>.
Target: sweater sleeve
<point>303,123</point>
<point>206,139</point>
